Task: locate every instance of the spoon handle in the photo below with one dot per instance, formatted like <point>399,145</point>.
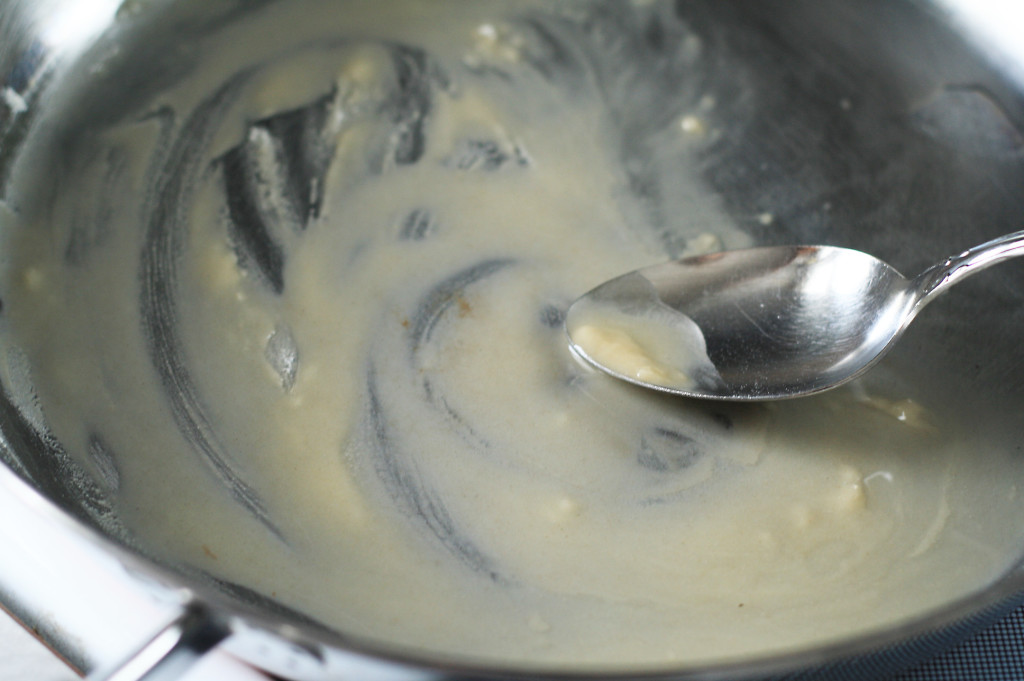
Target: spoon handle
<point>937,278</point>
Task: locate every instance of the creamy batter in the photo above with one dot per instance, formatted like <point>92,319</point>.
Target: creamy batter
<point>644,340</point>
<point>300,318</point>
<point>617,348</point>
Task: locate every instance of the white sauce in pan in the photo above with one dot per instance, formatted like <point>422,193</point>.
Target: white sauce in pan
<point>330,367</point>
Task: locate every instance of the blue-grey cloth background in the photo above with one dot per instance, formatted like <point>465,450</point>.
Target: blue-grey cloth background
<point>994,654</point>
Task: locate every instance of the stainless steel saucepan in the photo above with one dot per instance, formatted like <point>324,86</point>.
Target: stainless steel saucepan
<point>890,127</point>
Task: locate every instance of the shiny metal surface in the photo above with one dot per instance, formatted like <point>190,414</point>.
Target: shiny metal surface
<point>783,321</point>
<point>842,121</point>
<point>92,603</point>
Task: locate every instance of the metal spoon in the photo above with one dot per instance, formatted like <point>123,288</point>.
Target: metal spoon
<point>760,323</point>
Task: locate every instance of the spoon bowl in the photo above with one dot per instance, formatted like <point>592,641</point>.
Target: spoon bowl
<point>760,323</point>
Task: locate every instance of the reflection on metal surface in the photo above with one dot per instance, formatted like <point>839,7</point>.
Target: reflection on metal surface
<point>969,120</point>
<point>65,579</point>
<point>173,651</point>
<point>76,25</point>
<point>994,26</point>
